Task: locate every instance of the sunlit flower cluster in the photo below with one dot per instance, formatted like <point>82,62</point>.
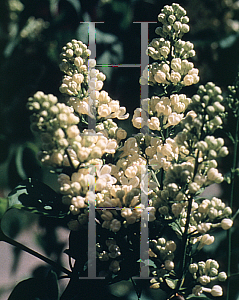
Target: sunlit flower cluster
<point>170,166</point>
<point>172,52</point>
<point>84,83</point>
<point>205,273</point>
<point>163,112</point>
<point>55,122</point>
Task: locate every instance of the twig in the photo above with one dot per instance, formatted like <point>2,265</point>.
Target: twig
<point>55,265</point>
<point>136,288</point>
<point>229,232</point>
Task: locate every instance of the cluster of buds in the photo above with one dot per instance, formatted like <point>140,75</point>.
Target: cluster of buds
<point>207,103</point>
<point>33,29</point>
<point>212,209</point>
<point>206,273</point>
<point>163,112</point>
<point>206,215</point>
<point>165,154</point>
<point>56,123</point>
<point>174,20</point>
<point>163,251</point>
<point>113,252</point>
<point>74,58</point>
<point>177,71</point>
<point>84,83</point>
<point>212,147</point>
<point>164,73</point>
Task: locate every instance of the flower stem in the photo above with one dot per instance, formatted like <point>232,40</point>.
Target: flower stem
<point>138,293</point>
<point>229,232</point>
<point>185,243</point>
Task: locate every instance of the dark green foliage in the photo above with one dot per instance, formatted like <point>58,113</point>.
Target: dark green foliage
<point>36,289</point>
<point>37,197</point>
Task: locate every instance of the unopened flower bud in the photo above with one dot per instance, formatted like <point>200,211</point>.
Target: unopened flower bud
<point>161,241</point>
<point>204,279</point>
<point>177,25</point>
<point>193,268</point>
<point>223,152</point>
<point>169,265</point>
<point>226,224</point>
<point>185,28</point>
<point>171,246</point>
<point>227,211</point>
<point>222,276</point>
<point>216,291</point>
<point>205,240</point>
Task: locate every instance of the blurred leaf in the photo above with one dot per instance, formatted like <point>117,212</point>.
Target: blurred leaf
<point>202,296</point>
<point>23,164</point>
<point>37,197</point>
<point>4,148</point>
<point>3,206</point>
<point>36,289</point>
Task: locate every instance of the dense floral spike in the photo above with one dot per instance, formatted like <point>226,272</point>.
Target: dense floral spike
<point>172,53</point>
<point>171,165</point>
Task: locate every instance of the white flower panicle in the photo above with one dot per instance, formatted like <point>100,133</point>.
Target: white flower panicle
<point>172,52</point>
<point>170,165</point>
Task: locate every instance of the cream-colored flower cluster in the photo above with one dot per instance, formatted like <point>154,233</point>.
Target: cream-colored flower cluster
<point>56,124</point>
<point>172,52</point>
<point>174,20</point>
<point>165,73</point>
<point>84,84</point>
<point>117,190</point>
<point>33,28</point>
<point>207,103</point>
<point>168,167</point>
<point>162,154</point>
<point>162,111</point>
<point>206,273</point>
<point>62,141</point>
<point>74,58</point>
<point>163,250</point>
<point>110,255</point>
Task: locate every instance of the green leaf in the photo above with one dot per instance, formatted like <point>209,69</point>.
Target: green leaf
<point>3,206</point>
<point>36,289</point>
<point>148,263</point>
<point>37,197</point>
<point>176,227</point>
<point>201,297</point>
